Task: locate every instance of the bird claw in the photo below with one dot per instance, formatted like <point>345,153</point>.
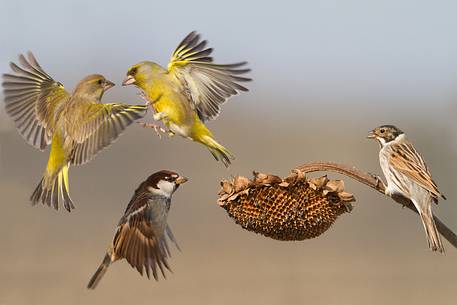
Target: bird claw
<point>378,180</point>
<point>158,129</point>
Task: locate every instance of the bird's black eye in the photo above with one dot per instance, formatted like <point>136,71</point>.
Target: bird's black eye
<point>133,71</point>
<point>382,130</point>
<point>100,82</point>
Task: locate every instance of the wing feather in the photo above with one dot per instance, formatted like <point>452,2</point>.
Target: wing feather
<point>32,99</point>
<point>104,124</point>
<point>409,162</point>
<point>141,239</point>
<point>207,85</point>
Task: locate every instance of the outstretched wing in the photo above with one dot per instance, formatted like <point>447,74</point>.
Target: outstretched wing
<point>206,84</point>
<point>98,126</point>
<point>32,98</point>
<point>409,162</point>
<point>141,236</point>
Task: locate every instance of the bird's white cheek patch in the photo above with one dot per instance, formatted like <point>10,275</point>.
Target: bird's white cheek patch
<point>165,188</point>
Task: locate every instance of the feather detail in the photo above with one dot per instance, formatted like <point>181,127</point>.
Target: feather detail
<point>206,85</point>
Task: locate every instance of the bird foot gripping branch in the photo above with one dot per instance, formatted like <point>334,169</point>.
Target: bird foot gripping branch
<point>291,208</point>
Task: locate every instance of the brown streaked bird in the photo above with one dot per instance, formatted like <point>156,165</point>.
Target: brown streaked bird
<point>408,175</point>
<point>141,235</point>
<point>76,124</point>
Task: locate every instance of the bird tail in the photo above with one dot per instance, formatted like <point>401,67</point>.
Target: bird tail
<point>219,152</point>
<point>98,275</point>
<point>53,187</point>
<point>433,237</point>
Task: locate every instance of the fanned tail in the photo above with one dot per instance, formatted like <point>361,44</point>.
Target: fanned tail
<point>98,275</point>
<point>53,189</point>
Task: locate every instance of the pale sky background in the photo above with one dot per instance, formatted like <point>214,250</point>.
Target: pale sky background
<point>325,73</point>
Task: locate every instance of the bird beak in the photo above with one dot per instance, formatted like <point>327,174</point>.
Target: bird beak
<point>371,135</point>
<point>181,180</point>
<point>129,80</point>
<point>108,85</point>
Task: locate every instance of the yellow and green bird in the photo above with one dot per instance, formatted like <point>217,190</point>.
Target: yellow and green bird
<point>76,125</point>
<point>190,91</point>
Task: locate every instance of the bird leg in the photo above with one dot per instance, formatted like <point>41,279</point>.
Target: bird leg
<point>159,116</point>
<point>378,181</point>
<point>157,128</point>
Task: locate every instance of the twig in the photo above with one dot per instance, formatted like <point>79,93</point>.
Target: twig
<point>376,183</point>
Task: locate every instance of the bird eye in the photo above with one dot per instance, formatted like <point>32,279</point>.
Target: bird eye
<point>133,71</point>
<point>99,81</point>
<point>382,130</point>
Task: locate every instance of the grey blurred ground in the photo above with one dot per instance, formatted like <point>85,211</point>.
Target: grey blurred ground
<point>324,75</point>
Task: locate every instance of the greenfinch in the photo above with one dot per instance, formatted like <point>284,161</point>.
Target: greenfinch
<point>76,125</point>
<point>190,92</point>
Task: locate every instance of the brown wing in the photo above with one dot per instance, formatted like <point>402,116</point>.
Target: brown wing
<point>141,236</point>
<point>409,162</point>
<point>206,84</point>
<point>32,99</point>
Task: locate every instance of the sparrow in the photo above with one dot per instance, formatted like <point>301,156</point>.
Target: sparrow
<point>76,125</point>
<point>141,235</point>
<point>408,175</point>
<point>189,91</point>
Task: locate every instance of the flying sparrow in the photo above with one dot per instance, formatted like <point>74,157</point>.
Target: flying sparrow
<point>141,235</point>
<point>408,175</point>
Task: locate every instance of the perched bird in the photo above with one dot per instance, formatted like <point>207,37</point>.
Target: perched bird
<point>76,125</point>
<point>408,175</point>
<point>141,235</point>
<point>190,91</point>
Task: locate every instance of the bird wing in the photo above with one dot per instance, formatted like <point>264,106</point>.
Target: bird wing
<point>409,162</point>
<point>141,236</point>
<point>206,85</point>
<point>32,99</point>
<point>98,125</point>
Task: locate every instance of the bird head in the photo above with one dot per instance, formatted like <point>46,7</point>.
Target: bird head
<point>93,86</point>
<point>162,183</point>
<point>384,134</point>
<point>143,74</point>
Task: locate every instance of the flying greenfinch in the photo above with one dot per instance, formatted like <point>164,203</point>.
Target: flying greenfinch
<point>76,125</point>
<point>190,92</point>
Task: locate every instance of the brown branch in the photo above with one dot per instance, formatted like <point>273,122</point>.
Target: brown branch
<point>376,183</point>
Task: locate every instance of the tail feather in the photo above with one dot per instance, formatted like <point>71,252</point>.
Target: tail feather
<point>433,237</point>
<point>219,152</point>
<point>53,189</point>
<point>98,275</point>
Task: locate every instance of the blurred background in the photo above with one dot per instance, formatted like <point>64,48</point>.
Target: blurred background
<point>325,73</point>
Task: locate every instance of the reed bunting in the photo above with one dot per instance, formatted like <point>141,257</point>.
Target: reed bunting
<point>408,175</point>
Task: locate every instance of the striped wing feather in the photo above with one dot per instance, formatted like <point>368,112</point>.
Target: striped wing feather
<point>142,240</point>
<point>409,162</point>
<point>32,99</point>
<point>102,125</point>
<point>207,85</point>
